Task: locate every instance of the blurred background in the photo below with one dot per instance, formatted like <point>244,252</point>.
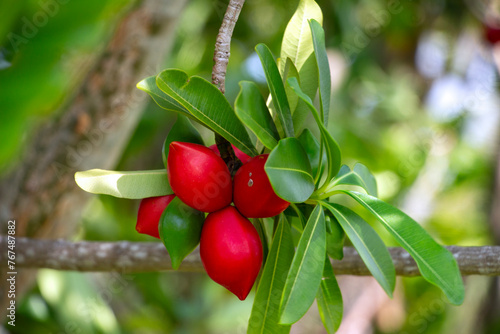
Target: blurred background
<point>415,99</point>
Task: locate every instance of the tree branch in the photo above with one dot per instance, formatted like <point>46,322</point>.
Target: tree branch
<point>221,59</point>
<point>128,256</point>
<point>223,43</point>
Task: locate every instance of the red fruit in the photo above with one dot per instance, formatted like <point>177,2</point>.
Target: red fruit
<point>239,154</point>
<point>253,194</point>
<point>492,33</point>
<point>149,214</point>
<point>199,177</point>
<point>231,251</point>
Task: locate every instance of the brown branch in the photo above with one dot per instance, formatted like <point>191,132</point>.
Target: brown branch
<point>221,59</point>
<point>223,43</point>
<point>128,256</point>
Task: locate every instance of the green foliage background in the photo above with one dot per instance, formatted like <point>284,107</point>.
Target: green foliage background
<point>378,116</point>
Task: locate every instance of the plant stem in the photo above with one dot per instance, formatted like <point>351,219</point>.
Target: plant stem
<point>221,59</point>
<point>223,43</point>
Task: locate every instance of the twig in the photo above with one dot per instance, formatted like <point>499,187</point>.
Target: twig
<point>221,59</point>
<point>223,43</point>
<point>127,256</point>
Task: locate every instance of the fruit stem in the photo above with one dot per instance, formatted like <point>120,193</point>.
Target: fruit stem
<point>227,154</point>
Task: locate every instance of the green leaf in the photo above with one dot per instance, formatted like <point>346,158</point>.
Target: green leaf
<point>325,81</point>
<point>297,41</point>
<point>436,263</point>
<point>360,176</point>
<point>207,104</point>
<point>335,240</point>
<point>276,88</point>
<point>311,146</point>
<point>304,277</point>
<point>183,131</point>
<point>367,177</point>
<point>330,304</point>
<point>259,226</point>
<point>368,244</point>
<point>133,185</point>
<point>180,230</point>
<point>291,72</point>
<point>332,148</point>
<point>289,171</point>
<point>251,109</point>
<point>265,311</point>
<point>309,79</point>
<point>163,100</point>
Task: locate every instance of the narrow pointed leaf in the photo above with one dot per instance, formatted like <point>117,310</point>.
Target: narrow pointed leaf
<point>289,171</point>
<point>291,72</point>
<point>304,277</point>
<point>251,109</point>
<point>367,177</point>
<point>311,146</point>
<point>180,230</point>
<point>265,311</point>
<point>207,104</point>
<point>276,88</point>
<point>133,185</point>
<point>163,100</point>
<point>368,244</point>
<point>332,148</point>
<point>325,81</point>
<point>436,264</point>
<point>330,304</point>
<point>297,40</point>
<point>183,131</point>
<point>335,240</point>
<point>309,79</point>
<point>360,177</point>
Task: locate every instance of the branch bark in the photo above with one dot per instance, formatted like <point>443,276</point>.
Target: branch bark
<point>223,43</point>
<point>221,59</point>
<point>129,257</point>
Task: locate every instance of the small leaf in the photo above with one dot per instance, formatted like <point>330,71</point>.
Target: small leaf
<point>436,263</point>
<point>297,41</point>
<point>276,88</point>
<point>332,148</point>
<point>367,177</point>
<point>180,230</point>
<point>207,104</point>
<point>290,72</point>
<point>265,310</point>
<point>304,277</point>
<point>335,240</point>
<point>163,100</point>
<point>360,177</point>
<point>289,171</point>
<point>133,185</point>
<point>251,109</point>
<point>325,81</point>
<point>330,304</point>
<point>311,146</point>
<point>183,131</point>
<point>368,244</point>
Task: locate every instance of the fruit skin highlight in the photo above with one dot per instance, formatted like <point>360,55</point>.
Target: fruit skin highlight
<point>254,196</point>
<point>231,251</point>
<point>239,154</point>
<point>149,214</point>
<point>199,177</point>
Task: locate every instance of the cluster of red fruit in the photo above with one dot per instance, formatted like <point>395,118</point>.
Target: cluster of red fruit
<point>230,247</point>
